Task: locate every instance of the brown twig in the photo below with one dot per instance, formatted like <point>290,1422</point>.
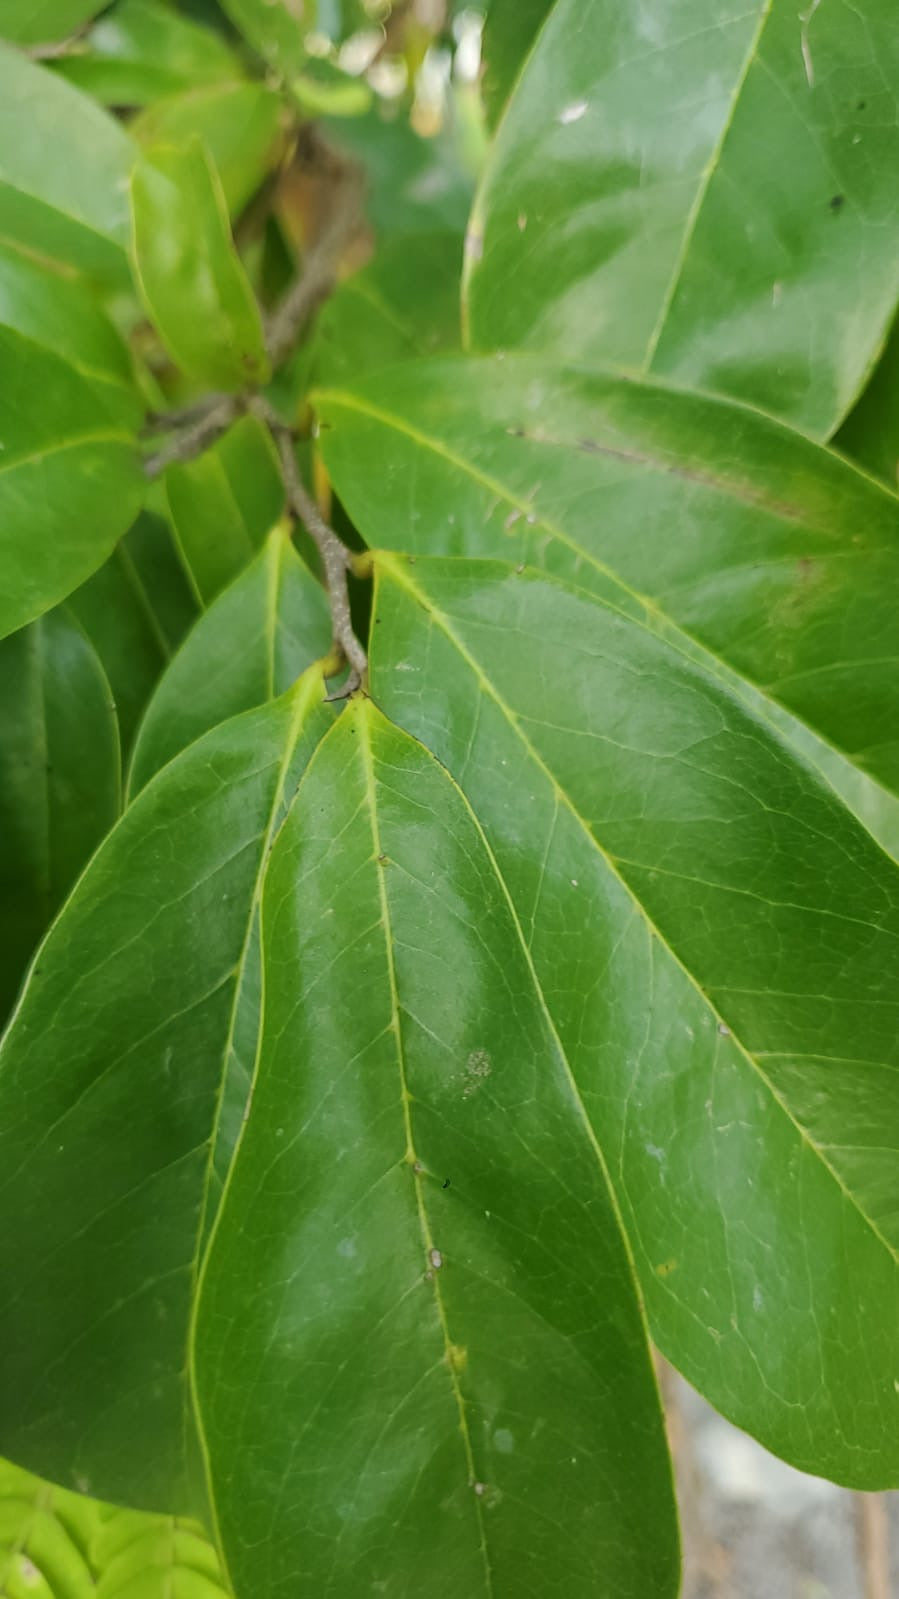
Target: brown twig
<point>872,1542</point>
<point>205,423</point>
<point>336,559</point>
<point>322,260</point>
<point>56,50</point>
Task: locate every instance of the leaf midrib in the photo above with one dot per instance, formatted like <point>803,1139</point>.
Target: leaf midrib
<point>403,580</point>
<point>367,757</point>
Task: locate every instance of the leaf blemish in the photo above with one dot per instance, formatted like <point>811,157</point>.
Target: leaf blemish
<point>436,1258</point>
<point>477,1068</point>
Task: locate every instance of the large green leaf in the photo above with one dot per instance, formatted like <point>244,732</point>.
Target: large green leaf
<point>189,273</point>
<point>38,21</point>
<point>239,124</point>
<point>419,1359</point>
<point>142,50</point>
<point>224,504</point>
<point>59,779</point>
<point>55,1544</point>
<point>59,311</point>
<point>70,478</point>
<point>768,550</point>
<point>64,168</point>
<point>715,937</point>
<point>261,633</point>
<point>709,197</point>
<point>122,1078</point>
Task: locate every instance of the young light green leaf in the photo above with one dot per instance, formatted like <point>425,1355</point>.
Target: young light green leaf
<point>70,478</point>
<point>121,1085</point>
<point>64,168</point>
<point>142,50</point>
<point>60,784</point>
<point>59,311</point>
<point>418,1256</point>
<point>275,29</point>
<point>715,938</point>
<point>766,549</point>
<point>189,273</point>
<point>709,199</point>
<point>225,503</point>
<point>44,21</point>
<point>239,124</point>
<point>60,1545</point>
<point>260,634</point>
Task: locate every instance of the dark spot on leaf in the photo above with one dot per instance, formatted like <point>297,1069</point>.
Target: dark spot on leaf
<point>861,105</point>
<point>589,446</point>
<point>837,202</point>
<point>446,1182</point>
<point>515,433</point>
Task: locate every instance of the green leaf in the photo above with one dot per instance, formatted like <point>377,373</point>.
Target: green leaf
<point>418,1254</point>
<point>225,503</point>
<point>40,21</point>
<point>64,168</point>
<point>59,311</point>
<point>510,29</point>
<point>141,50</point>
<point>239,124</point>
<point>870,433</point>
<point>404,303</point>
<point>715,939</point>
<point>135,611</point>
<point>275,29</point>
<point>769,551</point>
<point>59,779</point>
<point>130,1044</point>
<point>60,1545</point>
<point>261,633</point>
<point>70,478</point>
<point>707,199</point>
<point>189,273</point>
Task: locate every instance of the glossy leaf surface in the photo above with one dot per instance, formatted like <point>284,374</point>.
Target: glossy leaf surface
<point>706,198</point>
<point>728,1006</point>
<point>238,123</point>
<point>70,479</point>
<point>224,504</point>
<point>190,276</point>
<point>60,1545</point>
<point>128,1044</point>
<point>64,168</point>
<point>766,549</point>
<point>142,50</point>
<point>417,1291</point>
<point>249,647</point>
<point>59,779</point>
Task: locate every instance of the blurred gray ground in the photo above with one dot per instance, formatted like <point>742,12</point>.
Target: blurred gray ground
<point>753,1528</point>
